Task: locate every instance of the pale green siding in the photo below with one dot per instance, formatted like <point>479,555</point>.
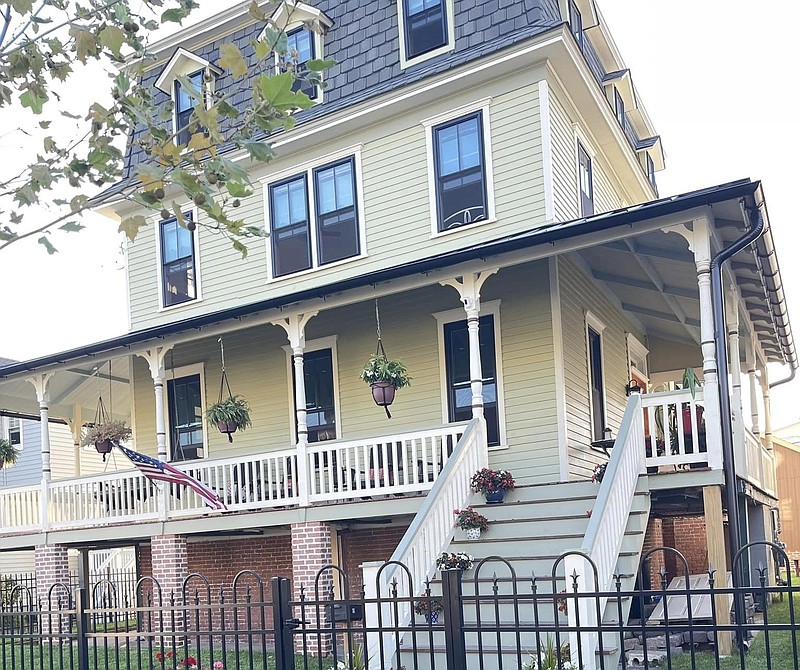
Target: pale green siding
<point>257,366</point>
<point>396,204</point>
<point>580,294</point>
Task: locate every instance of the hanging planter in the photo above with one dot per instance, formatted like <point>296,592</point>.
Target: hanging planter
<point>105,433</point>
<point>228,414</point>
<point>383,374</point>
<point>9,454</point>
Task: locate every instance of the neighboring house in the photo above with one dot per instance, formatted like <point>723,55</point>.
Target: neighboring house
<point>787,461</point>
<point>790,433</point>
<point>489,182</point>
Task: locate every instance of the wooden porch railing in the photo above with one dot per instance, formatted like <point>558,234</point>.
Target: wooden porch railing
<point>675,428</point>
<point>759,465</point>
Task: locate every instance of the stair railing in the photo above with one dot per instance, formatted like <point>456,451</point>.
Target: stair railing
<point>606,530</point>
<point>428,536</point>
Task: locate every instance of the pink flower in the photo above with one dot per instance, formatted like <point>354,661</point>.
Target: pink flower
<point>219,665</point>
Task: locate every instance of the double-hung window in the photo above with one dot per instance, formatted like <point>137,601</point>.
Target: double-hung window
<point>576,22</point>
<point>301,48</point>
<point>185,399</point>
<point>596,381</point>
<point>331,208</point>
<point>650,167</point>
<point>460,167</point>
<point>425,23</point>
<point>585,184</point>
<point>178,273</point>
<point>619,108</point>
<point>12,430</point>
<point>184,104</point>
<point>320,400</point>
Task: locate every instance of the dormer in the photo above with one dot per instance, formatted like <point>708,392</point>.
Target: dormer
<point>305,27</point>
<point>201,76</point>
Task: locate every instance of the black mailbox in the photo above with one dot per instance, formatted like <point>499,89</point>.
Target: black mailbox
<point>344,612</point>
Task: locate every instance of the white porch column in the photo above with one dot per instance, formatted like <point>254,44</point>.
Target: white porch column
<point>751,373</point>
<point>735,364</point>
<point>295,327</point>
<point>767,407</point>
<point>701,247</point>
<point>40,383</point>
<point>469,290</point>
<point>155,361</point>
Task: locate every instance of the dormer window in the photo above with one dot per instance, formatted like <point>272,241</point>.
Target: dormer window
<point>301,48</point>
<point>619,107</point>
<point>184,104</point>
<point>576,22</point>
<point>426,26</point>
<point>650,168</point>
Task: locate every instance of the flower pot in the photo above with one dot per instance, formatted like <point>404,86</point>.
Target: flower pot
<point>383,393</point>
<point>103,447</point>
<point>687,418</point>
<point>473,533</point>
<point>226,427</point>
<point>495,497</point>
<point>432,617</point>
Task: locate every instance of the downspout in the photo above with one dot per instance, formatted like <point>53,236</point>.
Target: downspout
<point>791,376</point>
<point>756,221</point>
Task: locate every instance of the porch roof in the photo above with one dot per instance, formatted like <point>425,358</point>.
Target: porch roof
<point>761,265</point>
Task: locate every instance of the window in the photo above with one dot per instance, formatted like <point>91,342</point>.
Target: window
<point>320,398</point>
<point>185,104</point>
<point>619,108</point>
<point>576,22</point>
<point>596,383</point>
<point>461,190</point>
<point>585,181</point>
<point>337,235</point>
<point>185,407</point>
<point>11,430</point>
<point>650,168</point>
<point>301,48</point>
<point>178,273</point>
<point>425,23</point>
<point>459,391</point>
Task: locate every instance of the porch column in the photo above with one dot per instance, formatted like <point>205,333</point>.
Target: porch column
<point>40,383</point>
<point>52,586</point>
<point>735,363</point>
<point>717,559</point>
<point>469,290</point>
<point>751,373</point>
<point>767,407</point>
<point>295,327</point>
<point>155,361</point>
<point>312,551</point>
<point>701,247</point>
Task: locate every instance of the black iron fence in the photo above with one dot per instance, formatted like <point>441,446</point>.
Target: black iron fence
<point>489,617</point>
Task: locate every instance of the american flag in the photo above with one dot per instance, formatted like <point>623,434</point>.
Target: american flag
<point>156,470</point>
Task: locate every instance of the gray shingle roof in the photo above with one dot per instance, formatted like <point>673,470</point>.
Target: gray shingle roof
<point>364,42</point>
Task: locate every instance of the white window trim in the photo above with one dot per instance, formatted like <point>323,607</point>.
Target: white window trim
<point>445,48</point>
<point>488,308</point>
<point>319,51</point>
<point>580,141</point>
<point>172,375</point>
<point>637,349</point>
<point>160,268</point>
<point>311,346</point>
<point>591,321</point>
<point>483,106</point>
<point>307,168</point>
<point>5,431</point>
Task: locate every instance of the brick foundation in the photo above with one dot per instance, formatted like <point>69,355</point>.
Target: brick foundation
<point>654,537</point>
<point>367,544</point>
<point>312,549</point>
<point>170,565</point>
<point>52,585</point>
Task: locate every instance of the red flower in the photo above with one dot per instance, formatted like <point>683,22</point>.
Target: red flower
<point>189,661</point>
<point>159,656</point>
<point>170,654</point>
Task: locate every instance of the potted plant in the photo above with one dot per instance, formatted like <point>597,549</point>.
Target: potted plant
<point>229,415</point>
<point>430,608</point>
<point>692,383</point>
<point>471,522</point>
<point>9,454</point>
<point>451,561</point>
<point>385,376</point>
<point>599,472</point>
<point>493,484</point>
<point>105,434</point>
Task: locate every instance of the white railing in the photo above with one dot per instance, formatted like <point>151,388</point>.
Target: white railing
<point>378,466</point>
<point>675,431</point>
<point>606,531</point>
<point>112,498</point>
<point>759,464</point>
<point>20,509</point>
<point>429,534</point>
<point>242,482</point>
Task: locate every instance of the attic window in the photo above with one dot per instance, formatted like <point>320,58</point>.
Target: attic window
<point>184,104</point>
<point>301,48</point>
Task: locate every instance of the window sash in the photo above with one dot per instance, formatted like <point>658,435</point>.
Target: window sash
<point>178,277</point>
<point>586,186</point>
<point>459,388</point>
<point>426,26</point>
<point>290,238</point>
<point>337,213</point>
<point>303,42</point>
<point>320,395</point>
<point>184,106</point>
<point>461,178</point>
<point>576,22</point>
<point>596,383</point>
<point>619,107</point>
<point>185,410</point>
<point>14,431</point>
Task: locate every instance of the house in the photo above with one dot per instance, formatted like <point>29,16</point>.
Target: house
<point>478,184</point>
<point>787,463</point>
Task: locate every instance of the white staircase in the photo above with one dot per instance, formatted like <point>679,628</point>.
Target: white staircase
<point>531,530</point>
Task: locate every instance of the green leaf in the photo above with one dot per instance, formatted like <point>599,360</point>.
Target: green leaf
<point>261,49</point>
<point>112,38</point>
<point>72,227</point>
<point>316,65</point>
<point>44,125</point>
<point>277,90</point>
<point>131,226</point>
<point>175,15</point>
<point>241,248</point>
<point>85,42</point>
<point>232,60</point>
<point>256,12</point>
<point>22,6</point>
<point>46,244</point>
<point>260,151</point>
<point>238,190</point>
<point>78,203</point>
<point>34,101</point>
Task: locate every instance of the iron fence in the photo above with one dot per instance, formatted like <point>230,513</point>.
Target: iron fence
<point>487,618</point>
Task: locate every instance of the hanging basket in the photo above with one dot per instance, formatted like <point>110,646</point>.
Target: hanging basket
<point>226,427</point>
<point>383,393</point>
<point>103,447</point>
<point>228,414</point>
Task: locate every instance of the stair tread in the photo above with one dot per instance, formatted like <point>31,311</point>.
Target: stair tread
<point>557,536</point>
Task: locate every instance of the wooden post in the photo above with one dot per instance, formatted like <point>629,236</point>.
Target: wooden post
<point>715,539</point>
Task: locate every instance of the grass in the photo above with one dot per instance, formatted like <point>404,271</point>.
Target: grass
<point>780,642</point>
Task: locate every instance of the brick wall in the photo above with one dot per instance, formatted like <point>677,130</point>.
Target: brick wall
<point>220,561</point>
<point>654,537</point>
<point>688,535</point>
<point>52,584</point>
<point>170,563</point>
<point>367,544</point>
<point>311,550</point>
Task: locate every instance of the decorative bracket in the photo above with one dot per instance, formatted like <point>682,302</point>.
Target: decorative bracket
<point>40,383</point>
<point>295,327</point>
<point>469,287</point>
<point>155,360</point>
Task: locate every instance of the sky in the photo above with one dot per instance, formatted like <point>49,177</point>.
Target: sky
<point>712,75</point>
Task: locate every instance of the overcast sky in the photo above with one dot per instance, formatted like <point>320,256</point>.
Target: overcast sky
<point>711,73</point>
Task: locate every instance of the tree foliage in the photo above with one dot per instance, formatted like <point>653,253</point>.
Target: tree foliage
<point>43,46</point>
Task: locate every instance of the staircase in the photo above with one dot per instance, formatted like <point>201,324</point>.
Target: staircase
<point>530,531</point>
